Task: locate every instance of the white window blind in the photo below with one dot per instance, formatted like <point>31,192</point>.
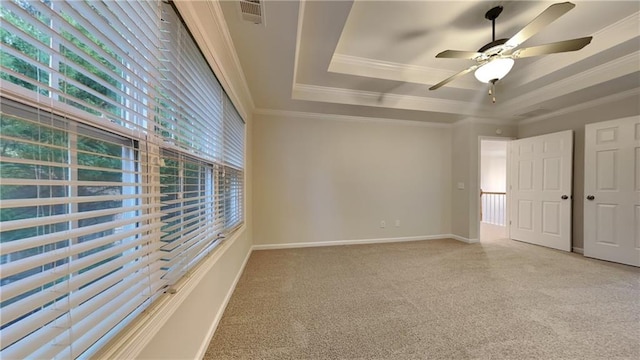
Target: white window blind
<point>77,230</point>
<point>233,136</point>
<point>188,203</point>
<point>233,176</point>
<point>82,54</point>
<point>189,114</point>
<point>121,166</point>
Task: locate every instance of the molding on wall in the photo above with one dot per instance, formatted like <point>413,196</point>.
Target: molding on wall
<point>394,101</point>
<point>614,34</point>
<point>348,118</point>
<point>221,310</point>
<point>356,242</point>
<point>485,121</point>
<point>360,66</point>
<point>603,39</point>
<point>133,340</point>
<point>303,4</point>
<point>463,239</point>
<point>582,106</point>
<point>619,67</point>
<point>578,250</point>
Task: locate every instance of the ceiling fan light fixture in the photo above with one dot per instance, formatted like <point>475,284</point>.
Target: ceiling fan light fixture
<point>495,69</point>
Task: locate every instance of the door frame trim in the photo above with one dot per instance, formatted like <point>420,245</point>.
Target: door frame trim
<point>479,177</point>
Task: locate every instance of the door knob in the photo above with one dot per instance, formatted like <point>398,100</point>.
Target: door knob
<point>564,197</point>
<point>590,197</point>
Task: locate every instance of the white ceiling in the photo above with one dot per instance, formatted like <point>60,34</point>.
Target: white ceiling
<point>377,58</point>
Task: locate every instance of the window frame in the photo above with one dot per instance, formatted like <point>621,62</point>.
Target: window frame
<point>139,92</point>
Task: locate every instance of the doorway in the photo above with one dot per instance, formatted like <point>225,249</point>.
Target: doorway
<point>493,189</point>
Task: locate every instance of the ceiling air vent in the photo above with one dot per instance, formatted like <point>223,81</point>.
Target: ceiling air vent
<point>252,10</point>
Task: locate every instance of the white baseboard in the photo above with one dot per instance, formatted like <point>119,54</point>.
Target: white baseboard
<point>360,241</point>
<point>218,317</point>
<point>578,250</point>
<point>463,239</point>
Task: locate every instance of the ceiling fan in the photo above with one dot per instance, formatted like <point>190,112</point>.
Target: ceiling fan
<point>495,59</point>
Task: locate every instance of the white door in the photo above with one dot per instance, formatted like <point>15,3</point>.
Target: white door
<point>612,191</point>
<point>540,190</point>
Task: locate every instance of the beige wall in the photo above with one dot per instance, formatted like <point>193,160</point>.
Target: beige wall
<point>322,179</point>
<point>461,157</point>
<point>576,121</point>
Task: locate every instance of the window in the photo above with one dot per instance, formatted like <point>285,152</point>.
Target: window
<point>76,232</point>
<point>121,167</point>
<point>188,204</point>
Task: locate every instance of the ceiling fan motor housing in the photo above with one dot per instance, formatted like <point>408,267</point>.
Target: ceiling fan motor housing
<point>494,44</point>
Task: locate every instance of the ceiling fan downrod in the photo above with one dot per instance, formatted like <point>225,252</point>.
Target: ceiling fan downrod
<point>492,15</point>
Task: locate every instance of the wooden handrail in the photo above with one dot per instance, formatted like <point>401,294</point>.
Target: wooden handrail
<point>492,193</point>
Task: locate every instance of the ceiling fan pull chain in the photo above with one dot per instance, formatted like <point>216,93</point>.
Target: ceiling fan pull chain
<point>492,91</point>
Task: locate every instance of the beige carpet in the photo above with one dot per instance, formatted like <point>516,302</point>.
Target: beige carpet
<point>437,299</point>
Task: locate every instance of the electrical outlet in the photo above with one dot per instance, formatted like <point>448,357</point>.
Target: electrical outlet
<point>383,224</point>
<point>397,223</point>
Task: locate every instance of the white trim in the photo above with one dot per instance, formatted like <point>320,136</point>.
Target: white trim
<point>585,105</point>
<point>221,310</point>
<point>463,239</point>
<point>132,341</point>
<point>578,250</point>
<point>394,101</point>
<point>507,158</point>
<point>301,8</point>
<point>359,241</point>
<point>360,66</point>
<point>349,118</point>
<point>603,40</point>
<point>485,121</point>
<point>619,67</point>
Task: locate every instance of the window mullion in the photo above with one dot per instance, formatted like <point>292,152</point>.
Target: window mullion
<point>54,58</point>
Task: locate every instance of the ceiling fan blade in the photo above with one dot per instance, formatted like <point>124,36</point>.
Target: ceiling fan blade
<point>548,16</point>
<point>552,48</point>
<point>451,78</point>
<point>457,54</point>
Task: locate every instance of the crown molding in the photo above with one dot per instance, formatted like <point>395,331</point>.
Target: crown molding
<point>346,118</point>
<point>613,69</point>
<point>354,65</point>
<point>603,39</point>
<point>209,28</point>
<point>485,121</point>
<point>369,98</point>
<point>606,38</point>
<point>582,106</point>
<point>301,9</point>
